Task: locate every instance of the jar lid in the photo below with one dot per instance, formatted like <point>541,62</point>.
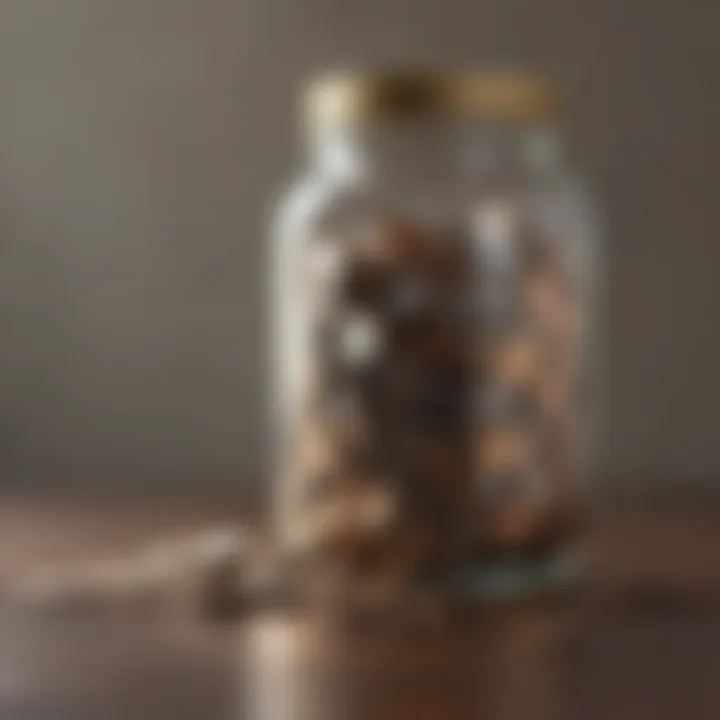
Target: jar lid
<point>504,96</point>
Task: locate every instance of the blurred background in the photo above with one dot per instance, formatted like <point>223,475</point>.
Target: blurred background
<point>144,142</point>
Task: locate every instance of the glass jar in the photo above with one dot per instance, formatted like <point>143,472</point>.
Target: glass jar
<point>432,282</point>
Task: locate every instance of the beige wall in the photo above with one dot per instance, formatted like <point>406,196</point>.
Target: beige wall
<point>141,141</point>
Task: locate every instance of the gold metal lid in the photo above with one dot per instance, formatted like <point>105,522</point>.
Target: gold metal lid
<point>505,96</point>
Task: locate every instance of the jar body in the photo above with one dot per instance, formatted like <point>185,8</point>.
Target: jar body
<point>431,374</point>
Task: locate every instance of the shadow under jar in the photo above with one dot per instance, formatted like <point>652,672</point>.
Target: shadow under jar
<point>432,282</point>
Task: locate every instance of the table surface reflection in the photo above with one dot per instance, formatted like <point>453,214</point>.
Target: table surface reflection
<point>642,641</point>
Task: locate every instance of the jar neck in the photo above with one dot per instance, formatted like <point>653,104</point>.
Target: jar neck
<point>437,153</point>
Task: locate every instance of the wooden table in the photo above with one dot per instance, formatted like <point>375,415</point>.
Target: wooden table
<point>642,643</point>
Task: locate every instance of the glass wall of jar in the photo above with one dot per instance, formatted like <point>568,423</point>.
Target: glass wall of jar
<point>432,280</point>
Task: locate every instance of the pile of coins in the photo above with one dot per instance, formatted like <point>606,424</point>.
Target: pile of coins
<point>440,419</point>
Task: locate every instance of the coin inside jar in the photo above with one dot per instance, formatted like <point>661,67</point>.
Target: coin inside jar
<point>361,338</point>
<point>544,295</point>
<point>362,513</point>
<point>554,394</point>
<point>517,524</point>
<point>510,360</point>
<point>500,448</point>
<point>316,451</point>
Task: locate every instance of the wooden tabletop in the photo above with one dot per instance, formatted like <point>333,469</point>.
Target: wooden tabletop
<point>642,641</point>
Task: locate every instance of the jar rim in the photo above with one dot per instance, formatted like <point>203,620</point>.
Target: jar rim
<point>511,96</point>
